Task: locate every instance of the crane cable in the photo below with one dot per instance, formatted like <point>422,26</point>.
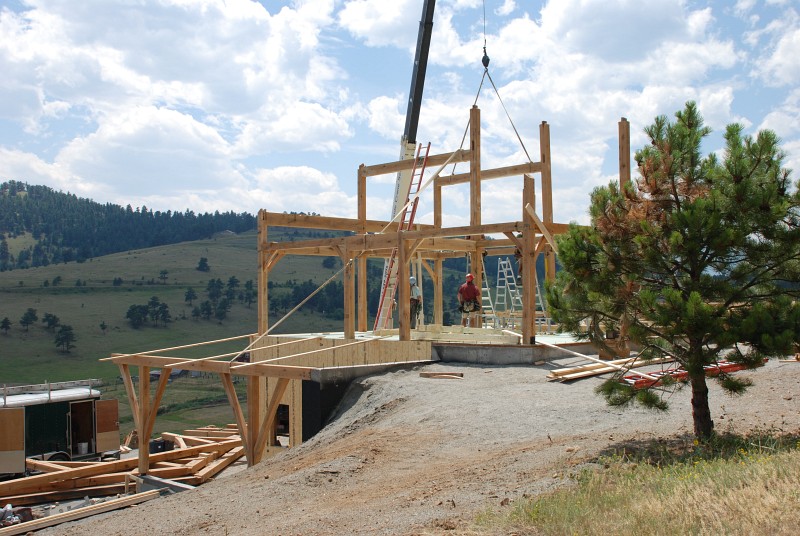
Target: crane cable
<point>485,61</point>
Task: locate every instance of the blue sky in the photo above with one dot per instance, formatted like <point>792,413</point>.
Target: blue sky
<point>238,105</point>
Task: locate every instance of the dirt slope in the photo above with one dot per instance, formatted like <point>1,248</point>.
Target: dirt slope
<point>410,455</point>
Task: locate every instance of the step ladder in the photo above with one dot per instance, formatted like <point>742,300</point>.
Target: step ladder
<point>508,293</point>
<point>487,305</point>
<point>383,320</point>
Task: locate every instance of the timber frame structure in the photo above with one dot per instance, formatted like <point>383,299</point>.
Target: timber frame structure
<point>277,366</point>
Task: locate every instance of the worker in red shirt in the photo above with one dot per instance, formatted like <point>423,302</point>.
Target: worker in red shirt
<point>469,302</point>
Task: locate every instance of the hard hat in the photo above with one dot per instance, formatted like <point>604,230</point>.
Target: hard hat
<point>469,277</point>
<point>412,280</point>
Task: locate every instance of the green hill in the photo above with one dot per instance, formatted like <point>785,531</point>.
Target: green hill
<point>101,290</point>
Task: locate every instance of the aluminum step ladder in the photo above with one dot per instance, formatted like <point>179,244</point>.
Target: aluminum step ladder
<point>383,319</point>
<point>487,305</point>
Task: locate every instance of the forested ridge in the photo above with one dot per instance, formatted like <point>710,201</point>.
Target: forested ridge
<point>67,228</point>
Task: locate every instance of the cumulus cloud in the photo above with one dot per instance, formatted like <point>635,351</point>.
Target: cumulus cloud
<point>235,103</point>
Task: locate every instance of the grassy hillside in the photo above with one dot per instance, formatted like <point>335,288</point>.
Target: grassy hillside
<point>30,356</point>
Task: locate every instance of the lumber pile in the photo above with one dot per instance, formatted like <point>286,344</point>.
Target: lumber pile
<point>198,456</point>
<point>595,369</point>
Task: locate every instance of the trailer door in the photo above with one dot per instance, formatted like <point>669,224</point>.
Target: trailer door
<point>12,440</point>
<point>106,414</point>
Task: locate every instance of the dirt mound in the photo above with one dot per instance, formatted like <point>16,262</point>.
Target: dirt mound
<point>412,455</point>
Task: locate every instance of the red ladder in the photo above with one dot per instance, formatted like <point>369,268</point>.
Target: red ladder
<point>383,320</point>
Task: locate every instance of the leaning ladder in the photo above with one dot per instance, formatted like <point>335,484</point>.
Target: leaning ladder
<point>383,320</point>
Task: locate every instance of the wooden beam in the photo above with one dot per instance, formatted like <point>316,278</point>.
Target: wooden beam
<point>151,419</point>
<point>406,165</point>
<point>487,174</point>
<point>542,228</point>
<point>323,222</point>
<point>266,426</point>
<point>125,372</point>
<point>624,130</point>
<point>238,416</point>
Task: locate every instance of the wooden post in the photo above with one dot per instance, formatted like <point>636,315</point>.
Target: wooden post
<point>349,296</point>
<point>528,263</point>
<point>624,153</point>
<point>475,166</point>
<point>256,385</point>
<point>363,312</point>
<point>547,195</point>
<point>403,291</point>
<point>438,265</point>
<point>475,193</point>
<point>263,274</point>
<point>144,412</point>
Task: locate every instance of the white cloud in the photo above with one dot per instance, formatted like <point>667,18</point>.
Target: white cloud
<point>378,25</point>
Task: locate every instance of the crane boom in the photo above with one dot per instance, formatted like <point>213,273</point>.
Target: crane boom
<point>407,150</point>
<point>418,73</point>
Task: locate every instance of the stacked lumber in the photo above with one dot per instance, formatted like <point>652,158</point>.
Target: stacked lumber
<point>195,460</point>
<point>595,369</point>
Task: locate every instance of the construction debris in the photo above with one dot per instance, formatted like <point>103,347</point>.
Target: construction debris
<point>679,374</point>
<point>78,513</point>
<point>200,455</point>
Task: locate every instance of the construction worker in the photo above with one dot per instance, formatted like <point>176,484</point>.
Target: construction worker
<point>469,302</point>
<point>416,301</point>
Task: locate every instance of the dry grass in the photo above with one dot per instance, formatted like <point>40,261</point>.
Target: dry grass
<point>755,490</point>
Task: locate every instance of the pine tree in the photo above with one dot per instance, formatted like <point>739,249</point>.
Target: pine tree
<point>65,337</point>
<point>699,260</point>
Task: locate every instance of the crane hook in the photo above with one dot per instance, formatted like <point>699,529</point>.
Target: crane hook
<point>485,59</point>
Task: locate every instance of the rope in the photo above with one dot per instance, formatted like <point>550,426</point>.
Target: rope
<point>485,62</point>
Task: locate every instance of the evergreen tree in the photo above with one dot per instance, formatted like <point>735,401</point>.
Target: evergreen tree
<point>137,315</point>
<point>163,275</point>
<point>214,289</point>
<point>190,296</point>
<point>103,327</point>
<point>50,321</point>
<point>164,315</point>
<point>203,266</point>
<point>29,318</point>
<point>698,261</point>
<point>5,325</point>
<point>65,337</point>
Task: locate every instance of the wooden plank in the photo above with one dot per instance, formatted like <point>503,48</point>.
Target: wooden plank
<point>79,513</point>
<point>43,466</point>
<point>63,495</point>
<point>443,376</point>
<point>220,464</point>
<point>433,374</point>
